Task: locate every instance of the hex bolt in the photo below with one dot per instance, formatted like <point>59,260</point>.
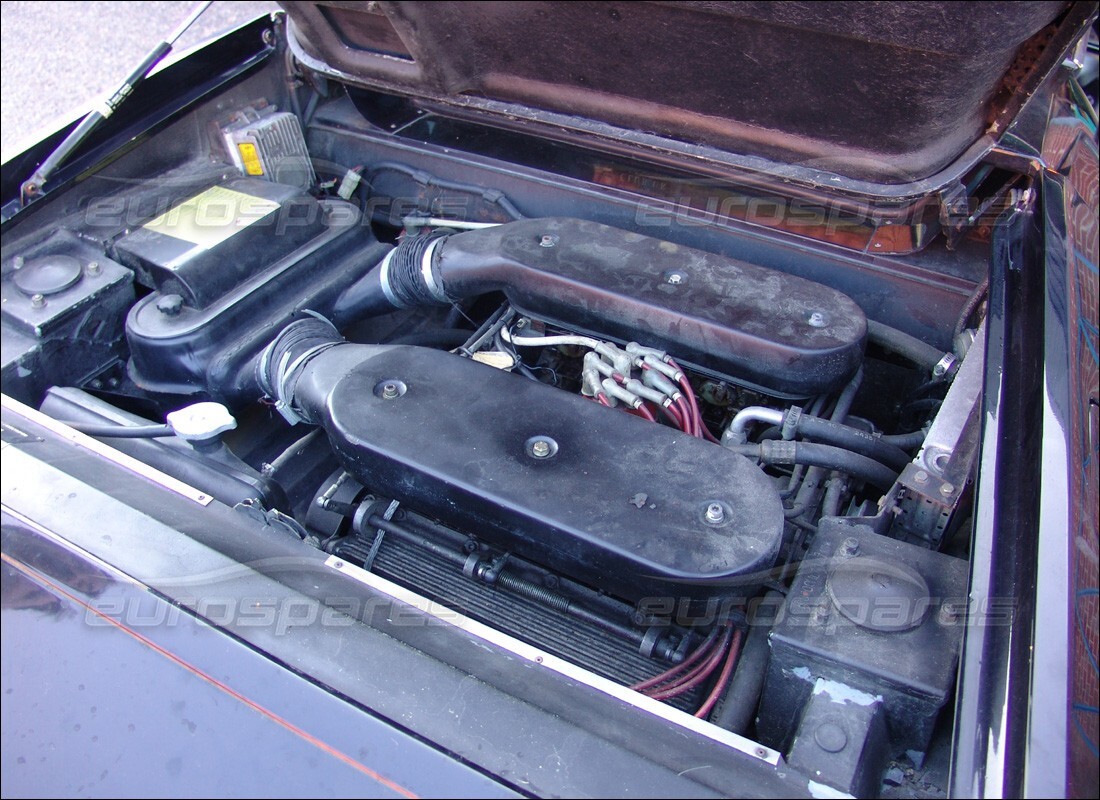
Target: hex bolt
<point>390,391</point>
<point>715,514</point>
<point>921,476</point>
<point>540,448</point>
<point>18,262</point>
<point>948,614</point>
<point>947,489</point>
<point>817,320</point>
<point>94,268</point>
<point>548,240</point>
<point>849,546</point>
<point>674,278</point>
<point>37,301</point>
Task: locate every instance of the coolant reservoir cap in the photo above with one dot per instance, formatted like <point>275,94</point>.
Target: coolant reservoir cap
<point>201,421</point>
<point>48,275</point>
<point>879,595</point>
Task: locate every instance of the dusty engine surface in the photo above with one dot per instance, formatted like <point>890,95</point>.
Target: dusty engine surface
<point>612,500</point>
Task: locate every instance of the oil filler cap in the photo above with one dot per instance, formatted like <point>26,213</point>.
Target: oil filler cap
<point>48,275</point>
<point>879,595</point>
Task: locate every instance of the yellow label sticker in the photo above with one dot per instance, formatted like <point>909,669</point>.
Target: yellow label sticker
<point>209,218</point>
<point>250,157</point>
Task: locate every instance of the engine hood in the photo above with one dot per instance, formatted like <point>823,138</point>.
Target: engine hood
<point>881,94</point>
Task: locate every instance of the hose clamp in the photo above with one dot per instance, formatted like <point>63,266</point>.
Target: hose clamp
<point>384,279</point>
<point>944,365</point>
<point>428,272</point>
<point>790,422</point>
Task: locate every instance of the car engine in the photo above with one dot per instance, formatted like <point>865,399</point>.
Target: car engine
<point>717,483</point>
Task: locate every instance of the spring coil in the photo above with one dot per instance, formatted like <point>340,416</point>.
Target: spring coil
<point>534,592</point>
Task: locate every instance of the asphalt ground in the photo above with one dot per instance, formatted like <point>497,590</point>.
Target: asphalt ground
<point>56,58</point>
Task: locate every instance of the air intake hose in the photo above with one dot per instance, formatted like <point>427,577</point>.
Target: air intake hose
<point>769,330</point>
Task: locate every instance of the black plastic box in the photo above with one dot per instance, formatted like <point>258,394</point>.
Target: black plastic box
<point>875,614</point>
<point>209,244</point>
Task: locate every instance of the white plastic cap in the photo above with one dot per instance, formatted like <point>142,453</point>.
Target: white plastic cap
<point>201,421</point>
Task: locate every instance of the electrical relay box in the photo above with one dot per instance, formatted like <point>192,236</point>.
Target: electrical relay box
<point>266,143</point>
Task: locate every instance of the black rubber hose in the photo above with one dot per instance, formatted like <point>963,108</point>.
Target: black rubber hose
<point>742,696</point>
<point>847,397</point>
<point>488,329</point>
<point>427,179</point>
<point>443,339</point>
<point>910,347</point>
<point>123,431</point>
<point>906,441</point>
<point>971,306</point>
<point>857,441</point>
<point>834,490</point>
<point>821,455</point>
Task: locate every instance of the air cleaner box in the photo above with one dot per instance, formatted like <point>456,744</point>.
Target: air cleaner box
<point>875,614</point>
<point>211,243</point>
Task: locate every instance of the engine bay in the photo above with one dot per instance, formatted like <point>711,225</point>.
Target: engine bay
<point>739,490</point>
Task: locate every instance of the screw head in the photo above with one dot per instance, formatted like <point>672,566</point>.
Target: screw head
<point>849,546</point>
<point>817,320</point>
<point>921,476</point>
<point>947,489</point>
<point>389,391</point>
<point>674,278</point>
<point>548,240</point>
<point>37,301</point>
<point>540,448</point>
<point>18,262</point>
<point>94,268</point>
<point>714,514</point>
